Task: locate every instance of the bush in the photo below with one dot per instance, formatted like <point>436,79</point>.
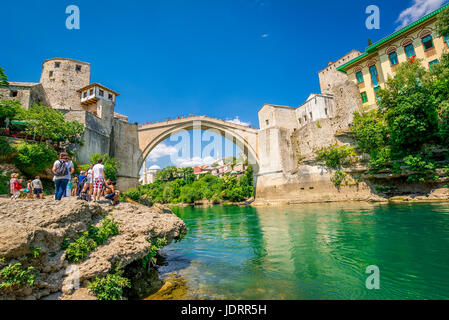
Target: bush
<point>89,240</point>
<point>7,151</point>
<point>111,166</point>
<point>133,194</point>
<point>338,178</point>
<point>15,274</point>
<point>370,130</point>
<point>109,287</point>
<point>32,159</point>
<point>337,156</point>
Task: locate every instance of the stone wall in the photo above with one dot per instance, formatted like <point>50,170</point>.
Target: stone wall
<point>125,148</point>
<point>27,93</point>
<point>60,83</point>
<point>330,77</point>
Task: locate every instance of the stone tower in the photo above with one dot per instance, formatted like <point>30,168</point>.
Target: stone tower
<point>61,78</point>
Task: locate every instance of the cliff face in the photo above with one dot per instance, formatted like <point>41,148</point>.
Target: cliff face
<point>27,225</point>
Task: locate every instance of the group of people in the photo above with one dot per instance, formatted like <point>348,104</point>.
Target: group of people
<point>89,185</point>
<point>34,188</point>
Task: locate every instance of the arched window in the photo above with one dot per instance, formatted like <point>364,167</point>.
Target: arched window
<point>392,56</point>
<point>427,40</point>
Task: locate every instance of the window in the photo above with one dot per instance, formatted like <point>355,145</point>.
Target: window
<point>50,74</point>
<point>364,97</point>
<point>432,63</point>
<point>376,93</point>
<point>78,67</point>
<point>359,76</point>
<point>110,96</point>
<point>446,38</point>
<point>13,93</point>
<point>91,92</point>
<point>57,64</point>
<point>409,51</point>
<point>85,94</point>
<point>427,42</point>
<point>325,111</point>
<point>300,121</point>
<point>267,122</point>
<point>393,58</point>
<point>305,118</point>
<point>311,118</point>
<point>374,75</point>
<point>101,93</point>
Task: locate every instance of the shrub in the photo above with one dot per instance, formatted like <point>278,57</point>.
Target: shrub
<point>370,130</point>
<point>109,287</point>
<point>7,150</point>
<point>154,249</point>
<point>89,240</point>
<point>337,156</point>
<point>32,159</point>
<point>338,178</point>
<point>15,274</point>
<point>133,194</point>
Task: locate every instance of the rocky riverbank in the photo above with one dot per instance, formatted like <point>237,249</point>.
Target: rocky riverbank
<point>32,233</point>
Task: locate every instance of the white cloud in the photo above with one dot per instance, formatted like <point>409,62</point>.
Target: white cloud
<point>195,161</point>
<point>160,151</point>
<point>236,120</point>
<point>419,9</point>
<point>265,35</point>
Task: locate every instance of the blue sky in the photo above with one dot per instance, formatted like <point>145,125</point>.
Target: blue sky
<point>221,58</point>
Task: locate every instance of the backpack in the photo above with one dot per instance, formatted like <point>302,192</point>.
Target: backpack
<point>61,169</point>
<point>17,185</point>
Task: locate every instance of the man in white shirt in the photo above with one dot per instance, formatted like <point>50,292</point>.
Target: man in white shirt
<point>98,179</point>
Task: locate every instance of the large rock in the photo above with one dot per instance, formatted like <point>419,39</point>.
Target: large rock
<point>44,224</point>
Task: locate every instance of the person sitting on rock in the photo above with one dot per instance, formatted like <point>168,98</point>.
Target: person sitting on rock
<point>111,193</point>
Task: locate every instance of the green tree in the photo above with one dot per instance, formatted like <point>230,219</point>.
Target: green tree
<point>410,109</point>
<point>443,23</point>
<point>3,78</point>
<point>370,130</point>
<point>111,166</point>
<point>33,159</point>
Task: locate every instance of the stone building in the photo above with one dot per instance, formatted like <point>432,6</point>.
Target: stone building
<point>65,85</point>
<point>419,40</point>
<point>331,77</point>
<point>148,176</point>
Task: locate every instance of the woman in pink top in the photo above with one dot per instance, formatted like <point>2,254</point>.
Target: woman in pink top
<point>13,185</point>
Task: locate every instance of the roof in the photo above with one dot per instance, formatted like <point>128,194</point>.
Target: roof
<point>98,85</point>
<point>372,48</point>
<point>78,61</point>
<point>23,84</point>
<point>275,106</point>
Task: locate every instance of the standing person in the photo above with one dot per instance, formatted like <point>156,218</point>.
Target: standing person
<point>14,186</point>
<point>75,186</point>
<point>62,168</point>
<point>38,189</point>
<point>68,191</point>
<point>89,180</point>
<point>98,175</point>
<point>28,190</point>
<point>81,181</point>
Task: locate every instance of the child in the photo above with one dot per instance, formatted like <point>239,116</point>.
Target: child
<point>28,190</point>
<point>15,186</point>
<point>38,189</point>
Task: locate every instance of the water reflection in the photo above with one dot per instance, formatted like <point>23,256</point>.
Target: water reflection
<point>317,251</point>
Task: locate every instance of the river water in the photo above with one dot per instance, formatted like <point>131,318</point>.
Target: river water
<point>313,251</point>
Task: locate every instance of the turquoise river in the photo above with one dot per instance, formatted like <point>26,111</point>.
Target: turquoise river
<point>313,251</point>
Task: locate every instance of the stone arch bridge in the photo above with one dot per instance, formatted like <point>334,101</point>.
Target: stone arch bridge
<point>150,135</point>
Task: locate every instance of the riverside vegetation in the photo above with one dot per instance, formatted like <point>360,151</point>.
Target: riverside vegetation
<point>179,185</point>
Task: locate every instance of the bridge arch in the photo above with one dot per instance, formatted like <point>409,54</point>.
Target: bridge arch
<point>150,135</point>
